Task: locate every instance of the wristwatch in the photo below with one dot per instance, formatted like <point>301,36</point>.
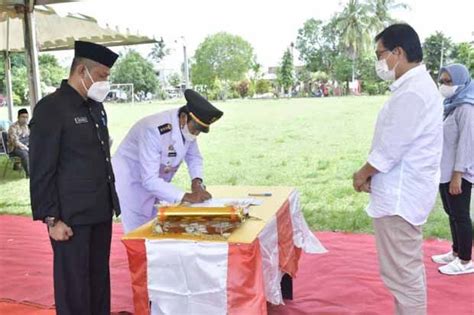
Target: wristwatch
<point>50,221</point>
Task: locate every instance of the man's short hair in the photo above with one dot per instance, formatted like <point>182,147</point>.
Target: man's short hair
<point>82,61</point>
<point>184,110</point>
<point>22,111</point>
<point>404,36</point>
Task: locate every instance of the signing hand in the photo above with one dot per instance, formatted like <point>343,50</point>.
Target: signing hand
<point>196,197</point>
<point>197,185</point>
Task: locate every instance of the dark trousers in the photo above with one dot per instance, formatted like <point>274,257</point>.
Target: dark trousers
<point>23,155</point>
<point>81,271</point>
<point>457,208</point>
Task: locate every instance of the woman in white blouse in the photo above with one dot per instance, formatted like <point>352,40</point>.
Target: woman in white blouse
<point>457,166</point>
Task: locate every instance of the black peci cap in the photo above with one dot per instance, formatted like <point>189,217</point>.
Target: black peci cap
<point>203,112</point>
<point>95,52</point>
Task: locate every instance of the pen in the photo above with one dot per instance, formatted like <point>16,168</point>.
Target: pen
<point>265,194</point>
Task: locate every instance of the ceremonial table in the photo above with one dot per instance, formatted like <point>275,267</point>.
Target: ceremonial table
<point>194,275</point>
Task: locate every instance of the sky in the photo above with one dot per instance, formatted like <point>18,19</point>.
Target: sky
<point>270,26</point>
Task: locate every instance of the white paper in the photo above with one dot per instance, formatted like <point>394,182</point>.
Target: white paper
<point>222,202</point>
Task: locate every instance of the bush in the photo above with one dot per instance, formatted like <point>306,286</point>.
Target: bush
<point>252,88</point>
<point>374,88</point>
<point>320,76</point>
<point>263,86</point>
<point>382,87</point>
<point>234,93</point>
<point>243,87</point>
<point>218,91</point>
<point>371,88</point>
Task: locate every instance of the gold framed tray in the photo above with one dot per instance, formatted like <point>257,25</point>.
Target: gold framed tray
<point>211,222</point>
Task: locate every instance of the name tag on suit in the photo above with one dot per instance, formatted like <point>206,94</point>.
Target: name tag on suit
<point>81,120</point>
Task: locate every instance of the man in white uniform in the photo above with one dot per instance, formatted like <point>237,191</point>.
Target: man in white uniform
<point>151,153</point>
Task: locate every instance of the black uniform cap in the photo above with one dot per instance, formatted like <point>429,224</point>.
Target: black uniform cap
<point>95,52</point>
<point>203,112</point>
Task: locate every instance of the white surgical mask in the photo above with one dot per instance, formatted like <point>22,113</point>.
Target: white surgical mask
<point>98,90</point>
<point>188,136</point>
<point>382,70</point>
<point>447,90</point>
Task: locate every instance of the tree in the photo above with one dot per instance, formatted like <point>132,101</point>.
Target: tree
<point>366,69</point>
<point>285,73</point>
<point>221,56</point>
<point>380,13</point>
<point>310,42</point>
<point>463,53</point>
<point>353,24</point>
<point>51,72</point>
<point>133,68</point>
<point>436,49</point>
<point>317,44</point>
<point>320,76</point>
<point>20,85</point>
<point>17,60</point>
<point>51,75</point>
<point>159,51</point>
<point>174,79</point>
<point>256,68</point>
<point>342,69</point>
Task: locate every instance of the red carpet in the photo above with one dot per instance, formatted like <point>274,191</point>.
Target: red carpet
<point>343,281</point>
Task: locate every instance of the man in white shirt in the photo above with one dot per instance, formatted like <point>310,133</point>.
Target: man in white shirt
<point>403,167</point>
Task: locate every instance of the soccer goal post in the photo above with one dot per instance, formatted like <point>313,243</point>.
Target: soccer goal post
<point>121,93</point>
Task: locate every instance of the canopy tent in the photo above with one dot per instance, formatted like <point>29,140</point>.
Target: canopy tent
<point>42,29</point>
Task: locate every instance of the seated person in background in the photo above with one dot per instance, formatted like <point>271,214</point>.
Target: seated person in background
<point>18,140</point>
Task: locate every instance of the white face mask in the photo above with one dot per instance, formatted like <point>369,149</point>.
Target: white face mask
<point>98,90</point>
<point>381,68</point>
<point>188,136</point>
<point>447,90</point>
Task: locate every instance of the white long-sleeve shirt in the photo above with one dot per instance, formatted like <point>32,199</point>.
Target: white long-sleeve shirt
<point>406,149</point>
<point>147,160</point>
<point>458,144</point>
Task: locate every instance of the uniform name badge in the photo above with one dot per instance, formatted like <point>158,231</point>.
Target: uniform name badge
<point>80,120</point>
<point>171,151</point>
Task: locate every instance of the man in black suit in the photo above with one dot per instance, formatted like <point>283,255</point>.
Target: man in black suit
<point>72,183</point>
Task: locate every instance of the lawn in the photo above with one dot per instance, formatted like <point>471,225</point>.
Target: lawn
<point>312,144</point>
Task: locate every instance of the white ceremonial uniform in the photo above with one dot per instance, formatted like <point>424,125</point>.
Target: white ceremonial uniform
<point>146,162</point>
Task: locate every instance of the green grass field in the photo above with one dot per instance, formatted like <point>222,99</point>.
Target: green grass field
<point>313,144</point>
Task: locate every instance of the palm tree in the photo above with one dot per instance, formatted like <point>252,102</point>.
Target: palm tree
<point>159,51</point>
<point>380,11</point>
<point>353,24</point>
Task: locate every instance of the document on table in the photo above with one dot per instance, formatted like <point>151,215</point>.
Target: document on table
<point>222,202</point>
